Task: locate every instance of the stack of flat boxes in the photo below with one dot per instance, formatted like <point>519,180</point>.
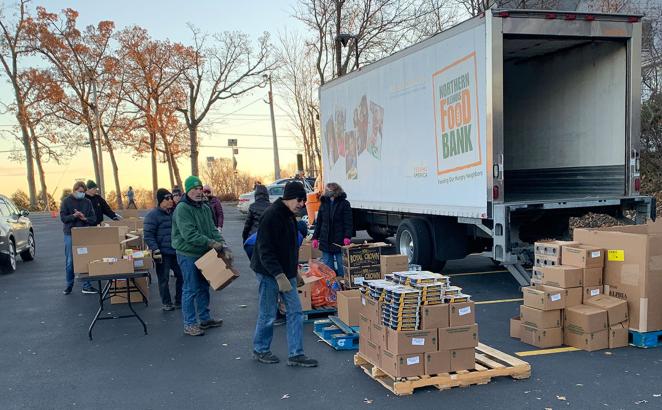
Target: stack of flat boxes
<point>444,340</point>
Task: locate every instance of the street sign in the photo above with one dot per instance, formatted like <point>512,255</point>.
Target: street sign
<point>232,142</point>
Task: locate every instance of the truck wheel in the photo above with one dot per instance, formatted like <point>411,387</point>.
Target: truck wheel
<point>414,240</point>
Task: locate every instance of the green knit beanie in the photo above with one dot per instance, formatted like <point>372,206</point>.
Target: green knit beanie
<point>192,182</point>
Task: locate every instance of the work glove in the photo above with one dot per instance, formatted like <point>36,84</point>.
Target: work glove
<point>316,244</point>
<point>346,241</point>
<point>284,284</point>
<point>217,246</point>
<point>229,258</point>
<point>156,254</point>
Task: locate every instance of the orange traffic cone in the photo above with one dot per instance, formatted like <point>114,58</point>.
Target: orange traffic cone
<point>53,214</point>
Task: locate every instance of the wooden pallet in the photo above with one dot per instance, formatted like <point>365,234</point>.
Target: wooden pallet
<point>490,363</point>
<point>645,339</point>
<point>337,334</point>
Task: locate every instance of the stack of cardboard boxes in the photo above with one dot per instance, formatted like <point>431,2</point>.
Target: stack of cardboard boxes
<point>407,329</point>
<point>566,305</point>
<point>361,262</point>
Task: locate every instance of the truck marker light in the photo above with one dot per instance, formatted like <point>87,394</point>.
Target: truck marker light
<point>503,14</point>
<point>571,17</point>
<point>637,184</point>
<point>589,18</point>
<point>550,16</point>
<point>495,192</point>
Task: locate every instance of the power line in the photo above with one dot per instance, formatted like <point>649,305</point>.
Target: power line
<point>258,148</point>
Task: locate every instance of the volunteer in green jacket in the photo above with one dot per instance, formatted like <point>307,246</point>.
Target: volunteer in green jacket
<point>193,235</point>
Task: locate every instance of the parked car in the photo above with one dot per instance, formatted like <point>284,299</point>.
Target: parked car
<point>275,191</point>
<point>16,235</point>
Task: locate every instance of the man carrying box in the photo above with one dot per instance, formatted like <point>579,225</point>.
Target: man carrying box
<point>275,262</point>
<point>193,234</point>
<point>75,211</point>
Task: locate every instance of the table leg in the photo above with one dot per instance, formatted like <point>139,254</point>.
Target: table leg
<point>128,297</point>
<point>102,295</point>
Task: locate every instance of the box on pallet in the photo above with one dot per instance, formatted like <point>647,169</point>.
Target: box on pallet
<point>544,297</point>
<point>632,269</point>
<point>562,276</point>
<point>349,306</point>
<point>462,314</point>
<point>371,351</point>
<point>435,316</point>
<point>357,255</point>
<point>551,248</point>
<point>592,277</point>
<point>463,359</point>
<point>437,362</point>
<point>540,319</point>
<point>618,335</point>
<point>405,342</point>
<point>591,292</point>
<point>617,309</point>
<point>586,341</point>
<point>573,296</point>
<point>378,334</point>
<point>461,337</point>
<point>94,243</point>
<point>402,365</point>
<point>583,256</point>
<point>393,263</point>
<point>516,327</point>
<point>544,260</point>
<point>585,319</point>
<point>356,276</point>
<point>542,338</point>
<point>371,309</point>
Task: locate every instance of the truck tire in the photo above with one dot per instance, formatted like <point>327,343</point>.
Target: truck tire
<point>376,235</point>
<point>414,240</point>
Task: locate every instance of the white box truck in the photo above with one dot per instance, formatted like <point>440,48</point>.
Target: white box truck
<point>491,135</point>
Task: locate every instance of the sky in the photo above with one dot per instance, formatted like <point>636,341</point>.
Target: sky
<point>246,119</point>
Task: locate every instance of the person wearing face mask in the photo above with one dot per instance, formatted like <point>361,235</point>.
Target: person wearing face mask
<point>275,260</point>
<point>76,211</point>
<point>333,226</point>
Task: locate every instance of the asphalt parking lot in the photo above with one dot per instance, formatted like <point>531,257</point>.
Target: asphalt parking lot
<point>48,362</point>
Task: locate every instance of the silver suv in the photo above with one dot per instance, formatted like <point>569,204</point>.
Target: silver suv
<point>16,235</point>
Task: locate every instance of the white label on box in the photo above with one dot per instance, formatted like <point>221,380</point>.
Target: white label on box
<point>81,251</point>
<point>418,341</point>
<point>595,292</point>
<point>464,311</point>
<point>138,263</point>
<point>555,297</point>
<point>412,361</point>
<point>596,254</point>
<point>358,280</point>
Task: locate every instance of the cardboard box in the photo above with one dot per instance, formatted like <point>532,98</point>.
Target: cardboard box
<point>583,256</point>
<point>585,319</point>
<point>617,309</point>
<point>217,272</point>
<point>99,267</point>
<point>463,359</point>
<point>378,334</point>
<point>562,276</point>
<point>540,319</point>
<point>402,365</point>
<point>586,341</point>
<point>515,327</point>
<point>618,335</point>
<point>632,269</point>
<point>544,260</point>
<point>462,314</point>
<point>437,362</point>
<point>364,326</point>
<point>144,263</point>
<point>591,292</point>
<point>592,277</point>
<point>414,341</point>
<point>462,337</point>
<point>544,297</point>
<point>349,306</point>
<point>358,255</point>
<point>551,248</point>
<point>573,296</point>
<point>83,255</point>
<point>393,263</point>
<point>307,252</point>
<point>118,291</point>
<point>304,292</point>
<point>371,309</point>
<point>434,316</point>
<point>543,338</point>
<point>370,351</point>
<point>94,235</point>
<point>356,276</point>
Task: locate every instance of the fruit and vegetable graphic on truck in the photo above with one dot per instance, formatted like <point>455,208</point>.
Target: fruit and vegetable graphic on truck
<point>491,135</point>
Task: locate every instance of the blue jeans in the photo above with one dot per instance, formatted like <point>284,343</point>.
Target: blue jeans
<point>329,258</point>
<point>69,264</point>
<point>267,308</point>
<point>195,291</point>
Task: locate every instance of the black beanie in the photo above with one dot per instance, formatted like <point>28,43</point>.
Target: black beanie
<point>160,195</point>
<point>294,190</point>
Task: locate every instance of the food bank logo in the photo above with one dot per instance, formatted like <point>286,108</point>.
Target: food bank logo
<point>457,131</point>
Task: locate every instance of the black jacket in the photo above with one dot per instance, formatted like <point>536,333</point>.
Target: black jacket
<point>67,208</point>
<point>333,223</point>
<point>158,230</point>
<point>276,249</point>
<point>101,208</point>
<point>255,211</point>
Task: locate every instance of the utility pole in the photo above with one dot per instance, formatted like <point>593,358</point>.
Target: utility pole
<point>99,136</point>
<point>273,128</point>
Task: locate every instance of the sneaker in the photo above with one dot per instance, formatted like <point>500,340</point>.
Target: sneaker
<point>90,291</point>
<point>266,357</point>
<point>67,290</point>
<point>280,321</point>
<point>193,330</point>
<point>167,308</point>
<point>301,360</point>
<point>208,324</point>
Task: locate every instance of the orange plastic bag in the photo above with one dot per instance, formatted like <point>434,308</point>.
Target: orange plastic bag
<point>323,291</point>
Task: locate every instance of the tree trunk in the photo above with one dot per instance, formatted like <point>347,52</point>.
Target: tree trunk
<point>193,134</point>
<point>40,169</point>
<point>175,168</point>
<point>21,116</point>
<point>170,173</point>
<point>92,140</point>
<point>155,177</point>
<point>116,174</point>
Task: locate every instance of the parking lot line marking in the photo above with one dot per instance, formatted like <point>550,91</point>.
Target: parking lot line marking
<point>477,273</point>
<point>546,351</point>
<point>489,302</point>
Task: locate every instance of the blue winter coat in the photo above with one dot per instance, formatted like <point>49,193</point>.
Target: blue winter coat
<point>157,231</point>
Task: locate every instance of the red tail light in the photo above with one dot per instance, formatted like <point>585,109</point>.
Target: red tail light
<point>633,19</point>
<point>503,14</point>
<point>550,16</point>
<point>495,192</point>
<point>589,18</point>
<point>637,184</point>
<point>571,17</point>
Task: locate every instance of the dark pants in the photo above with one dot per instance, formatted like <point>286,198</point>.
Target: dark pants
<point>163,273</point>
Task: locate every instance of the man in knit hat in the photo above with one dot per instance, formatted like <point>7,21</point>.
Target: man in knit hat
<point>99,204</point>
<point>275,261</point>
<point>158,234</point>
<point>193,235</point>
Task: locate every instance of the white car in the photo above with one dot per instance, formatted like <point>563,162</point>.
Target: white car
<point>275,191</point>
